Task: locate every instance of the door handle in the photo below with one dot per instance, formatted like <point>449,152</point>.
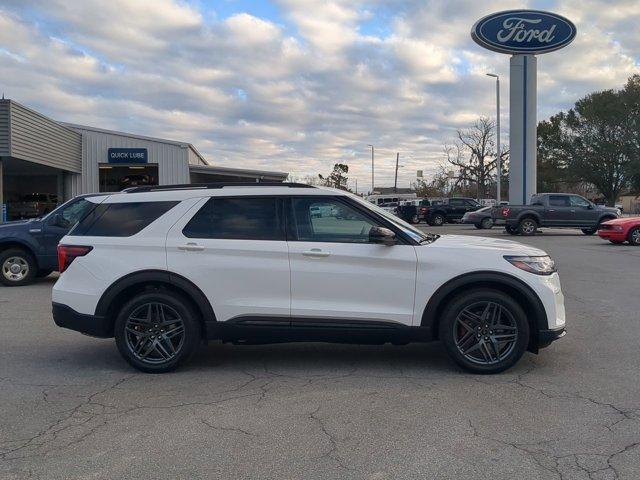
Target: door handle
<point>191,247</point>
<point>316,253</point>
<point>573,210</point>
<point>551,210</point>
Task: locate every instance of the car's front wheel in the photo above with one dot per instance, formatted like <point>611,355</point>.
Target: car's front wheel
<point>484,331</point>
<point>17,267</point>
<point>157,331</point>
<point>487,223</point>
<point>437,220</point>
<point>634,236</point>
<point>588,231</point>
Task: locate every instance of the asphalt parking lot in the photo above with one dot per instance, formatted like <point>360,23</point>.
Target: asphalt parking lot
<point>70,407</point>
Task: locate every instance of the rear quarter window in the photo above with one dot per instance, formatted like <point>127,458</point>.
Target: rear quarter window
<point>120,219</point>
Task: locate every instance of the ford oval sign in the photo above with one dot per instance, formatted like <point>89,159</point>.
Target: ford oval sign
<point>526,32</point>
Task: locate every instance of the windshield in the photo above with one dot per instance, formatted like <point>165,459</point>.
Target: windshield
<point>416,234</point>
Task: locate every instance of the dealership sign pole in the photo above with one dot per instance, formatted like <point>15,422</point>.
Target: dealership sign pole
<point>523,34</point>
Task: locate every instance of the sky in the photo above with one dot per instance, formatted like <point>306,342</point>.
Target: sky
<point>296,85</point>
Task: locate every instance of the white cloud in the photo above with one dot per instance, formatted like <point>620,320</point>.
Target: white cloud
<point>302,93</point>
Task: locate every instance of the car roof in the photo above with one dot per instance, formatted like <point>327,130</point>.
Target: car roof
<point>186,192</point>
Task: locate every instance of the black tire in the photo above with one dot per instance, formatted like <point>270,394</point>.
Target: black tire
<point>511,315</point>
<point>437,220</point>
<point>588,231</point>
<point>486,224</point>
<point>527,226</point>
<point>175,309</point>
<point>511,230</point>
<point>478,226</point>
<point>415,219</point>
<point>17,267</point>
<point>634,237</point>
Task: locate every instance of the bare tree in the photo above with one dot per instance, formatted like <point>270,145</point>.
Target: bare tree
<point>474,155</point>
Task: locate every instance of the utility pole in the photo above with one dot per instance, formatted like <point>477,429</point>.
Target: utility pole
<point>372,168</point>
<point>395,182</point>
<point>356,186</point>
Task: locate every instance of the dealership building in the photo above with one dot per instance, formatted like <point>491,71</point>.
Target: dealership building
<point>39,155</point>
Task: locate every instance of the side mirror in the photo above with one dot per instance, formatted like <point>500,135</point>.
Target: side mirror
<point>382,235</point>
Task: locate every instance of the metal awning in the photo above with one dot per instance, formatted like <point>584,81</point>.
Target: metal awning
<point>239,173</point>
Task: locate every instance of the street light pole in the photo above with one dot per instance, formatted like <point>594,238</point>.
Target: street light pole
<point>372,169</point>
<point>498,156</point>
<point>395,182</point>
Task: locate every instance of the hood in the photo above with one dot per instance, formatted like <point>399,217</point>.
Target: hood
<point>17,223</point>
<point>623,221</point>
<point>506,247</point>
<point>604,208</point>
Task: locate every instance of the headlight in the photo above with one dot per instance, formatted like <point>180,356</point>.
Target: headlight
<point>538,265</point>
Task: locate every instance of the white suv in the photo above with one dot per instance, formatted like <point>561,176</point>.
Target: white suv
<point>163,268</point>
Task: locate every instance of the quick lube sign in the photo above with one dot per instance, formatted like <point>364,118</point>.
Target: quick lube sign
<point>523,32</point>
<point>127,155</point>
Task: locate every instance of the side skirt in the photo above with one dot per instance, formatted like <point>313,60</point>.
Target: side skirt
<point>265,330</point>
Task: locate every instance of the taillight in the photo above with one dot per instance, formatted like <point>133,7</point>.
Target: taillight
<point>68,253</point>
<point>424,209</point>
<point>505,212</point>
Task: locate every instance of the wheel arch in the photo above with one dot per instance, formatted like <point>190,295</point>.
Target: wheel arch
<point>516,288</point>
<point>128,286</point>
<point>529,214</point>
<point>605,218</point>
<point>8,243</point>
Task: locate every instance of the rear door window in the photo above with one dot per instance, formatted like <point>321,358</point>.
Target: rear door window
<point>120,219</point>
<point>558,201</point>
<point>240,218</point>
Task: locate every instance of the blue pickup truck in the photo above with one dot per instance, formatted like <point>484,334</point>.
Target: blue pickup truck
<point>28,248</point>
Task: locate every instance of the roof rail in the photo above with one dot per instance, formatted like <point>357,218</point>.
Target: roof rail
<point>208,186</point>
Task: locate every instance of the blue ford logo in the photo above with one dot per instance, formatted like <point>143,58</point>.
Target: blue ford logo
<point>523,32</point>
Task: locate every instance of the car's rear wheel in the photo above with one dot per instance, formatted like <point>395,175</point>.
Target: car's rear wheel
<point>415,219</point>
<point>17,267</point>
<point>527,226</point>
<point>484,331</point>
<point>588,231</point>
<point>634,236</point>
<point>157,331</point>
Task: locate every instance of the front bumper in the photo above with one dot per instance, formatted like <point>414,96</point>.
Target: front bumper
<point>93,325</point>
<point>612,235</point>
<point>546,337</point>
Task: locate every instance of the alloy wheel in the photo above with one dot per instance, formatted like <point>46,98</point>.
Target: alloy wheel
<point>154,333</point>
<point>485,333</point>
<point>438,220</point>
<point>15,269</point>
<point>634,237</point>
<point>528,227</point>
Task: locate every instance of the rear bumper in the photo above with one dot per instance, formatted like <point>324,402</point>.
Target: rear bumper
<point>546,337</point>
<point>93,325</point>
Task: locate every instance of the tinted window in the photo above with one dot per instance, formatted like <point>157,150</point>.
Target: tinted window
<point>578,201</point>
<point>456,202</point>
<point>120,219</point>
<point>558,201</point>
<point>246,218</point>
<point>471,203</point>
<point>336,221</point>
<point>74,212</point>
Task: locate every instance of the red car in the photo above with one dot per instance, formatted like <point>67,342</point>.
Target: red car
<point>621,230</point>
